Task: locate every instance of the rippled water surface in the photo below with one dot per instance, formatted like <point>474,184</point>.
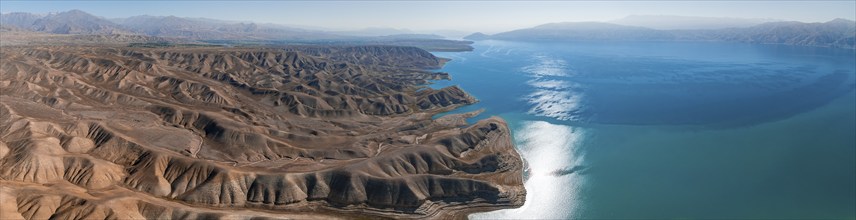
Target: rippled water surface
<point>672,130</point>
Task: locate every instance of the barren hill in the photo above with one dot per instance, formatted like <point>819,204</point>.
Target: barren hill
<point>295,132</point>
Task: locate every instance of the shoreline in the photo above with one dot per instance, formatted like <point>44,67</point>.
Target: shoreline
<point>258,134</point>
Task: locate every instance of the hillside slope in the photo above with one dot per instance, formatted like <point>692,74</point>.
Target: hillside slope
<point>188,133</point>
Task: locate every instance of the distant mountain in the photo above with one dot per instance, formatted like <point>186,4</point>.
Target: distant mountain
<point>413,36</point>
<point>583,31</point>
<point>668,22</point>
<point>79,22</point>
<point>165,25</point>
<point>402,33</point>
<point>835,33</point>
<point>20,20</point>
<point>69,22</point>
<point>178,29</point>
<point>373,32</point>
<point>449,34</point>
<point>477,36</point>
<point>839,33</point>
<point>195,28</point>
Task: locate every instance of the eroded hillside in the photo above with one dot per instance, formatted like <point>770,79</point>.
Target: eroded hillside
<point>297,132</point>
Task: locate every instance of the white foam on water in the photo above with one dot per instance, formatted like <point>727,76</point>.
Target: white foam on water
<point>489,50</point>
<point>559,104</point>
<point>546,148</point>
<point>454,57</point>
<point>547,66</point>
<point>550,84</point>
<point>552,97</point>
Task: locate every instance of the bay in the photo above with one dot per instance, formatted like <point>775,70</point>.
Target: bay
<point>671,129</point>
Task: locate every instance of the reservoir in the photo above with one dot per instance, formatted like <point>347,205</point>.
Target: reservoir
<point>671,129</point>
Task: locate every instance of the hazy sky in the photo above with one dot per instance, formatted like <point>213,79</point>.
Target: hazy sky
<point>486,16</point>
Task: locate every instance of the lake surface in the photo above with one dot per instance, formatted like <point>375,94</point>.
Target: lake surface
<point>671,130</point>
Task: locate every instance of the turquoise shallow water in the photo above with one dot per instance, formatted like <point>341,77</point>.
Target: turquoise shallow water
<point>672,130</point>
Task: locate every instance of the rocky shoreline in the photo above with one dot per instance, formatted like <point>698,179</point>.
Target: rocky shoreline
<point>290,132</point>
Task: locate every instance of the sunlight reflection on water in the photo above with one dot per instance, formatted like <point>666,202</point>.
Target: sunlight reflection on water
<point>552,97</point>
<point>547,148</point>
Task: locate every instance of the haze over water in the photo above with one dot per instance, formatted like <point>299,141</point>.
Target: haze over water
<point>672,130</point>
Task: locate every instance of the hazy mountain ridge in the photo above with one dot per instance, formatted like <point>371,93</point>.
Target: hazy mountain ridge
<point>18,19</point>
<point>671,22</point>
<point>374,31</point>
<point>835,33</point>
<point>202,29</point>
<point>79,22</point>
<point>172,26</point>
<point>69,22</point>
<point>839,33</point>
<point>582,31</point>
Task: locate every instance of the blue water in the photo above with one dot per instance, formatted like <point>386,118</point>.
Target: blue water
<point>671,130</point>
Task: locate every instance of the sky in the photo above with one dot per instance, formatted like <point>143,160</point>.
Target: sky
<point>485,16</point>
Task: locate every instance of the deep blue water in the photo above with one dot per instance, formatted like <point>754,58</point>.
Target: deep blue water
<point>672,130</point>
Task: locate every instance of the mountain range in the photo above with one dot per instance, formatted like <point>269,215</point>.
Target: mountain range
<point>70,22</point>
<point>80,22</point>
<point>172,28</point>
<point>838,33</point>
<point>671,22</point>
